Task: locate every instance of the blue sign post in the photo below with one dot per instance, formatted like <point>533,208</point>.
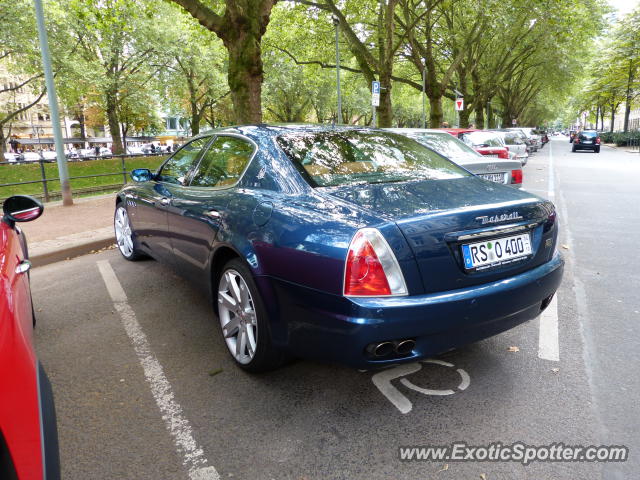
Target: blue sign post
<point>375,99</point>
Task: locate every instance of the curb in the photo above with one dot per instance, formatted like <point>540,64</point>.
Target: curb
<point>63,248</point>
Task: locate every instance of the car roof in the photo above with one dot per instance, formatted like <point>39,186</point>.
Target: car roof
<point>274,129</point>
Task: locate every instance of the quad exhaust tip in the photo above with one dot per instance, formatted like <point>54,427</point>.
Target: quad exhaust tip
<point>384,349</point>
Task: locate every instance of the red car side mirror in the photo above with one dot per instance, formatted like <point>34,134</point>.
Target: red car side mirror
<point>21,208</point>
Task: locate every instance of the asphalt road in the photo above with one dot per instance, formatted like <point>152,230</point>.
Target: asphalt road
<point>146,390</point>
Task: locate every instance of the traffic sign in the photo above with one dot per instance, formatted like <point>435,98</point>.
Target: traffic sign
<point>375,94</point>
<point>514,121</point>
<point>459,104</point>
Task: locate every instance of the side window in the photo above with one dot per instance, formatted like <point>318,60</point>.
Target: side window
<point>177,167</point>
<point>223,163</point>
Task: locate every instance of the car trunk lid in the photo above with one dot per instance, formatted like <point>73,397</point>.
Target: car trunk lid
<point>438,218</point>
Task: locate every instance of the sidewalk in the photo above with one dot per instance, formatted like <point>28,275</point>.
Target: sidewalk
<point>67,232</point>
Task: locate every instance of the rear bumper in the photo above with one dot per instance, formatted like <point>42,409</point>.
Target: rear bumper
<point>313,324</point>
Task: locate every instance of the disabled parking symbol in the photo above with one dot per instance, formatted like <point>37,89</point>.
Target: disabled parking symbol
<point>383,380</point>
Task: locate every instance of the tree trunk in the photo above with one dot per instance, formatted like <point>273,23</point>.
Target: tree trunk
<point>195,119</point>
<point>490,120</point>
<point>613,117</point>
<point>114,124</point>
<point>464,117</point>
<point>627,105</point>
<point>602,117</point>
<point>245,76</point>
<point>435,111</point>
<point>385,110</point>
<point>3,146</point>
<point>479,114</point>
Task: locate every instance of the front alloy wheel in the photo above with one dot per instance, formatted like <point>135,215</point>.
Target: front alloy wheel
<point>243,320</point>
<point>124,234</point>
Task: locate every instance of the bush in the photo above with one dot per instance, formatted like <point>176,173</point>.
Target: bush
<point>621,139</point>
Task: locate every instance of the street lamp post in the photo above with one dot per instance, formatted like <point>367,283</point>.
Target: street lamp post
<point>63,171</point>
<point>336,22</point>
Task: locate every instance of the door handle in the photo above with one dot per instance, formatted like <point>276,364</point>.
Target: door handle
<point>165,201</point>
<point>213,214</point>
<point>23,267</point>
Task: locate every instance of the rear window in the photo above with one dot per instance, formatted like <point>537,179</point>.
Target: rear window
<point>328,159</point>
<point>588,134</point>
<point>482,139</point>
<point>447,145</point>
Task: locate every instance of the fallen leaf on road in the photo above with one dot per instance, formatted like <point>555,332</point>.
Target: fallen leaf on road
<point>566,247</point>
<point>215,372</point>
<point>513,349</point>
<point>555,370</point>
<point>445,468</point>
<point>483,476</point>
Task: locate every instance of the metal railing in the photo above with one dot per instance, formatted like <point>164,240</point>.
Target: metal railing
<point>634,143</point>
<point>47,194</point>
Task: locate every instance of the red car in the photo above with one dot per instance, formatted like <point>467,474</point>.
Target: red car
<point>485,143</point>
<point>28,433</point>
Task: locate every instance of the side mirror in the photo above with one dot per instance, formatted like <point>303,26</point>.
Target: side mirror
<point>21,208</point>
<point>142,175</point>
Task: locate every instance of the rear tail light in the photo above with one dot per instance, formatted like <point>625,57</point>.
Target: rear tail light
<point>371,268</point>
<point>597,140</point>
<point>503,153</point>
<point>516,176</point>
<point>577,140</point>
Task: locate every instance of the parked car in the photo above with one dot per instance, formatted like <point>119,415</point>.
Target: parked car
<point>135,150</point>
<point>13,157</point>
<point>106,152</point>
<point>501,171</point>
<point>544,137</point>
<point>32,156</point>
<point>344,244</point>
<point>85,153</point>
<point>536,140</point>
<point>586,140</point>
<point>533,141</point>
<point>28,434</point>
<point>486,143</point>
<point>515,143</point>
<point>49,155</point>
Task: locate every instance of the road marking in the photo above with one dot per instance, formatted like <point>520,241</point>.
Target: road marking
<point>548,338</point>
<point>551,190</point>
<point>548,344</point>
<point>383,379</point>
<point>179,427</point>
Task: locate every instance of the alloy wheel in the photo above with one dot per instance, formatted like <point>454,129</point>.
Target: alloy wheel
<point>124,238</point>
<point>237,314</point>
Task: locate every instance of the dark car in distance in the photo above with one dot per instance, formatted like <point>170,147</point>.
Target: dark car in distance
<point>345,244</point>
<point>586,140</point>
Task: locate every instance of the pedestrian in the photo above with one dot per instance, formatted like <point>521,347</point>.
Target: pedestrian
<point>96,149</point>
<point>444,125</point>
<point>153,149</point>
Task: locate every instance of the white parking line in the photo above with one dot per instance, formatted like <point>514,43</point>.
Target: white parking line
<point>548,341</point>
<point>179,427</point>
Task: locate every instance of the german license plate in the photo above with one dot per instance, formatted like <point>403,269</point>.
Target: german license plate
<point>499,251</point>
<point>587,142</point>
<point>494,177</point>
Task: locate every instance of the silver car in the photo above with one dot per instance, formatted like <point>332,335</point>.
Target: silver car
<point>535,140</point>
<point>498,170</point>
<point>515,143</point>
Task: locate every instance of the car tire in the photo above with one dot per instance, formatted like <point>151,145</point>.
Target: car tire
<point>125,236</point>
<point>597,150</point>
<point>573,149</point>
<point>243,318</point>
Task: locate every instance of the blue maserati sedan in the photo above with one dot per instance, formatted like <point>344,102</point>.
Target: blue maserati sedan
<point>344,244</point>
